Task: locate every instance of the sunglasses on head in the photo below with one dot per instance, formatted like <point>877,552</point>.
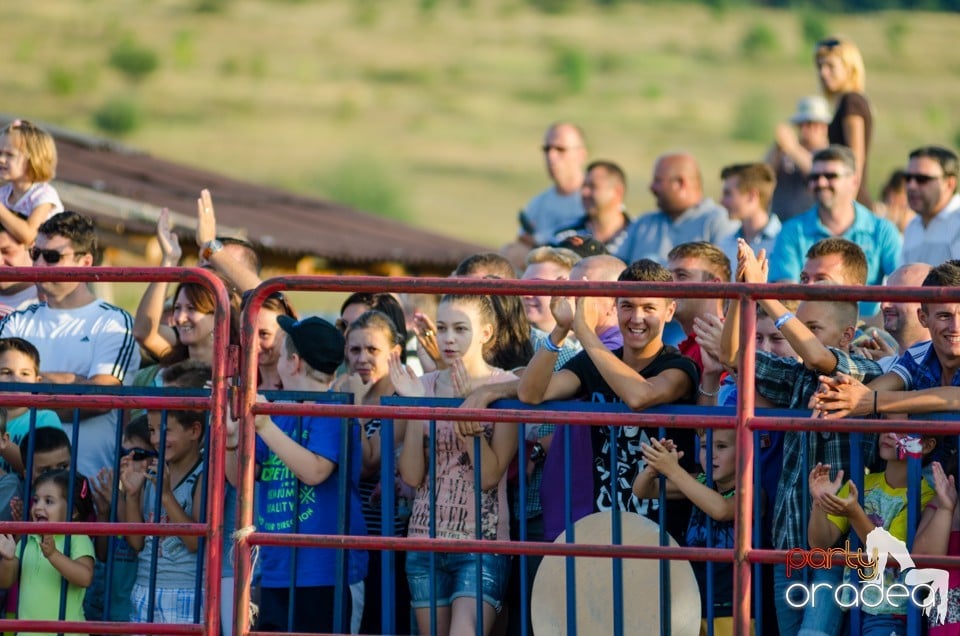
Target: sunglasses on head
<point>829,43</point>
<point>138,454</point>
<point>51,257</point>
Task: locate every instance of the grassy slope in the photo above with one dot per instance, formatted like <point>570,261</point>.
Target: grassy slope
<point>447,111</point>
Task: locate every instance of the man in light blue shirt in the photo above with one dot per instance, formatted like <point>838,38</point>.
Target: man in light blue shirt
<point>833,180</point>
<point>684,215</point>
<point>747,191</point>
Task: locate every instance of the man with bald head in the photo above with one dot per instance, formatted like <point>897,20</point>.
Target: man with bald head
<point>684,215</point>
<point>900,320</point>
<point>560,205</point>
<point>603,267</point>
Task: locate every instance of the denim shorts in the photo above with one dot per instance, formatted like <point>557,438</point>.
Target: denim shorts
<point>456,576</point>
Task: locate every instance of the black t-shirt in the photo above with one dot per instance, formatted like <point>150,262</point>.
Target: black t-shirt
<point>627,439</point>
<point>854,105</point>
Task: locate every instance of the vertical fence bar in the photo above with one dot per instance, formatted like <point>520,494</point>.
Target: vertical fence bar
<point>570,562</point>
<point>743,521</point>
<point>388,514</point>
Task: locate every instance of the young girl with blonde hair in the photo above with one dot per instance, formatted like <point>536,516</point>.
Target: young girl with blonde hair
<point>28,161</point>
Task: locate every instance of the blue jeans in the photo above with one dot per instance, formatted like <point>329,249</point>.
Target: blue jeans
<point>456,577</point>
<point>819,616</point>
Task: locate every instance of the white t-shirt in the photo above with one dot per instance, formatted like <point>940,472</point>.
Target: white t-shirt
<point>939,241</point>
<point>37,195</point>
<point>92,340</point>
<point>20,300</point>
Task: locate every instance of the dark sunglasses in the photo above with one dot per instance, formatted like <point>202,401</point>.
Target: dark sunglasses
<point>138,454</point>
<point>829,43</point>
<point>52,257</point>
<point>813,177</point>
<point>921,179</point>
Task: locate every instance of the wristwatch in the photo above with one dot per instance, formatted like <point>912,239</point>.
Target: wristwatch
<point>537,453</point>
<point>210,248</point>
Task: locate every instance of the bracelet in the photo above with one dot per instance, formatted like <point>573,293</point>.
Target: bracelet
<point>875,412</point>
<point>782,320</point>
<point>707,393</point>
<point>549,346</point>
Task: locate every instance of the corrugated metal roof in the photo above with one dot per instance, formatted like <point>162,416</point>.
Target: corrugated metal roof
<point>130,187</point>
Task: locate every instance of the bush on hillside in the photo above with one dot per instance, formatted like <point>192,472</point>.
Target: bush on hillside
<point>134,60</point>
<point>118,116</point>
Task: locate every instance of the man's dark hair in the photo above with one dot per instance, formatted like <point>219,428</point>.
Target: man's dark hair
<point>138,427</point>
<point>79,229</point>
<point>647,271</point>
<point>490,261</point>
<point>249,255</point>
<point>187,374</point>
<point>944,275</point>
<point>944,156</point>
<point>22,346</point>
<point>854,260</point>
<point>836,152</point>
<point>382,302</point>
<point>717,262</point>
<point>45,439</point>
<point>612,170</point>
<point>753,176</point>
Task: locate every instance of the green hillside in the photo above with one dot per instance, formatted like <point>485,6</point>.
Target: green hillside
<point>433,111</point>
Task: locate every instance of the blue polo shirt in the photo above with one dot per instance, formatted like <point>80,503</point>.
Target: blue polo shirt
<point>879,239</point>
<point>654,234</point>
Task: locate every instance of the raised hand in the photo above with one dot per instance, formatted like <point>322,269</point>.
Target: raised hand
<point>47,545</point>
<point>353,383</point>
<point>102,486</point>
<point>945,487</point>
<point>426,332</point>
<point>404,380</point>
<point>169,243</point>
<point>841,396</point>
<point>8,546</point>
<point>206,219</point>
<point>460,379</point>
<point>132,474</point>
<point>562,309</point>
<point>841,506</point>
<point>663,457</point>
<point>820,482</point>
<point>751,268</point>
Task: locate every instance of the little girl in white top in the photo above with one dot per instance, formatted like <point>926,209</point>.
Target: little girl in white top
<point>28,161</point>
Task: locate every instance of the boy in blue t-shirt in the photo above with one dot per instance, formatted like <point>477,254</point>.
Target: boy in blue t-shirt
<point>298,467</point>
<point>20,362</point>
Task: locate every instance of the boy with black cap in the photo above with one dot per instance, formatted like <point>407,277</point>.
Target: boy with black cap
<point>297,460</point>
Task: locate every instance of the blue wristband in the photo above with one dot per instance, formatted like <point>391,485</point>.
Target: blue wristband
<point>782,320</point>
<point>549,346</point>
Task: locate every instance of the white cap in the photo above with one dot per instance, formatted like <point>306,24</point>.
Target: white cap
<point>813,108</point>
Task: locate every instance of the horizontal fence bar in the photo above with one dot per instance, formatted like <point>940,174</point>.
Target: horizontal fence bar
<point>374,284</point>
<point>104,528</point>
<point>99,627</point>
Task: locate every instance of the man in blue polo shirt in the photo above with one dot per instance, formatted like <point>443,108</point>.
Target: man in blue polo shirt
<point>683,214</point>
<point>833,181</point>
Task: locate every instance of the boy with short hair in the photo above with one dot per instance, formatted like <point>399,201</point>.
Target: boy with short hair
<point>642,373</point>
<point>180,499</point>
<point>298,461</point>
<point>820,333</point>
<point>20,362</point>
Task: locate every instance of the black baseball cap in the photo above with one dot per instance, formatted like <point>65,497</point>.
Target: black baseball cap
<point>318,342</point>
